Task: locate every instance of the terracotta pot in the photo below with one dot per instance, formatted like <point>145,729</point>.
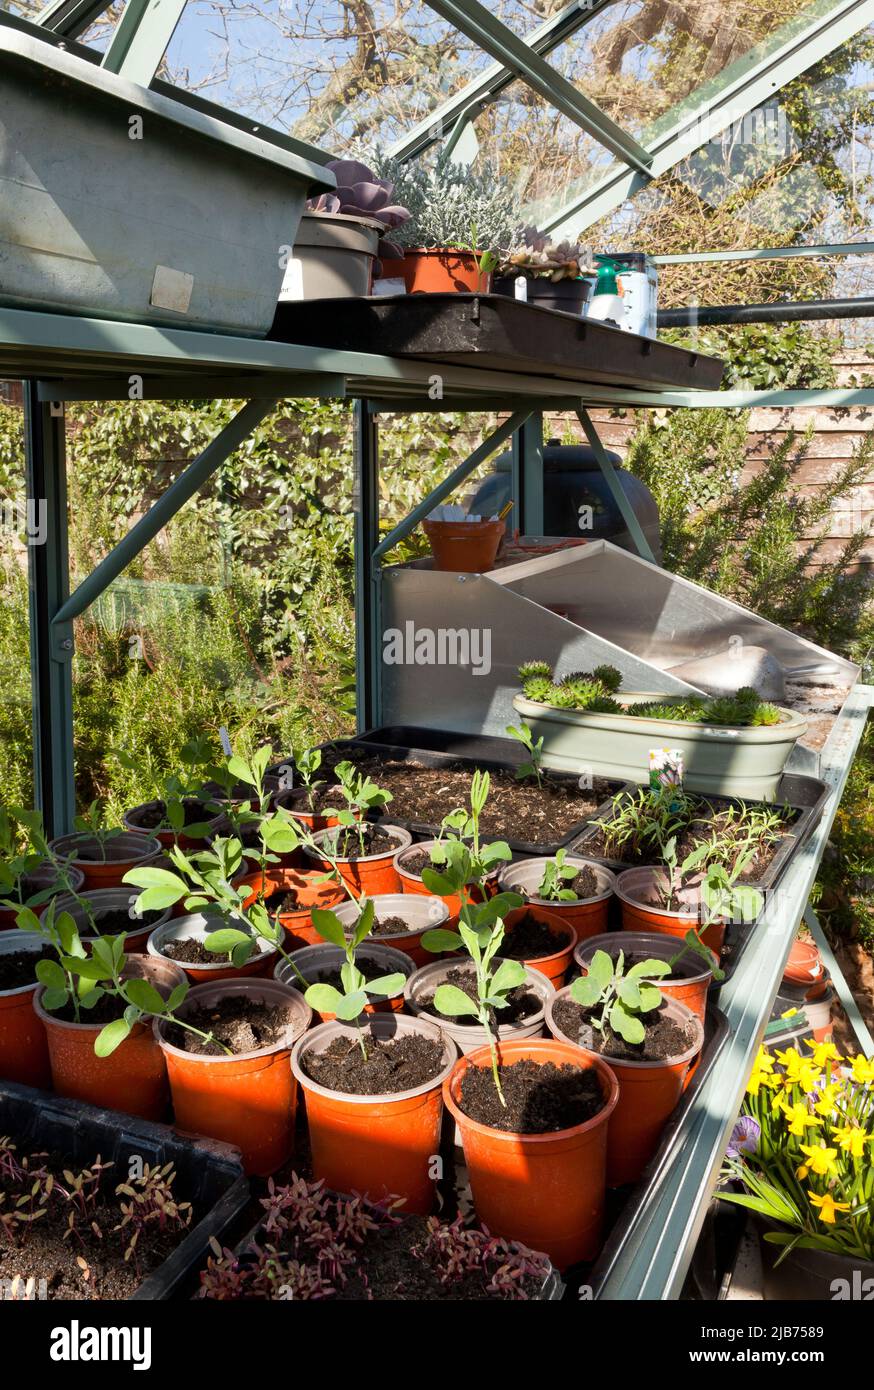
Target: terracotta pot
<point>133,820</point>
<point>37,881</point>
<point>545,1190</point>
<point>294,801</point>
<point>422,913</point>
<point>805,973</point>
<point>443,270</point>
<point>106,899</point>
<point>134,1077</point>
<point>648,1093</point>
<point>249,1100</point>
<point>107,867</point>
<point>374,873</point>
<point>470,1036</point>
<point>195,927</point>
<point>412,883</point>
<point>311,889</point>
<point>379,1145</point>
<point>587,916</point>
<point>690,980</point>
<point>464,547</point>
<point>556,965</point>
<point>315,962</point>
<point>637,891</point>
<point>24,1053</point>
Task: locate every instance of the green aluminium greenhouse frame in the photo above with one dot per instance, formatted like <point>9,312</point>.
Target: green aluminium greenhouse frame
<point>63,358</point>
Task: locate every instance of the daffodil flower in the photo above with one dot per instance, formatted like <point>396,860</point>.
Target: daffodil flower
<point>827,1206</point>
<point>820,1160</point>
<point>827,1099</point>
<point>799,1118</point>
<point>863,1070</point>
<point>824,1052</point>
<point>852,1139</point>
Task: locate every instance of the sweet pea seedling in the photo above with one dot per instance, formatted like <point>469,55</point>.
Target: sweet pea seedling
<point>349,1002</point>
<point>622,996</point>
<point>532,768</point>
<point>556,873</point>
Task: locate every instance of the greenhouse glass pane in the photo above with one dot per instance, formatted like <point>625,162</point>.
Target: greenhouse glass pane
<point>19,528</point>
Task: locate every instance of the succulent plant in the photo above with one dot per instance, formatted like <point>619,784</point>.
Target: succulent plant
<point>537,688</point>
<point>609,676</point>
<point>451,205</point>
<point>534,255</point>
<point>361,193</point>
<point>605,704</point>
<point>535,668</point>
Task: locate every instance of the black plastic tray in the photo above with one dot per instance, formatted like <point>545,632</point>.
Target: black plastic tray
<point>208,1174</point>
<point>496,333</point>
<point>439,748</point>
<point>806,795</point>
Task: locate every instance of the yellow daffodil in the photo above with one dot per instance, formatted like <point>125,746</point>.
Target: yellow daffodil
<point>863,1070</point>
<point>756,1081</point>
<point>764,1061</point>
<point>799,1118</point>
<point>824,1052</point>
<point>852,1139</point>
<point>819,1160</point>
<point>827,1099</point>
<point>827,1206</point>
<point>790,1060</point>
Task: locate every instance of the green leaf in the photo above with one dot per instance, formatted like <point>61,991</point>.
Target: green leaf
<point>144,996</point>
<point>325,999</point>
<point>351,1005</point>
<point>153,878</point>
<point>440,884</point>
<point>628,991</point>
<point>225,940</point>
<point>54,999</point>
<point>157,899</point>
<point>241,771</point>
<point>600,969</point>
<point>650,997</point>
<point>649,970</point>
<point>329,927</point>
<point>387,985</point>
<point>364,925</point>
<point>50,974</point>
<point>586,991</point>
<point>86,968</point>
<point>176,998</point>
<point>626,1025</point>
<point>439,939</point>
<point>509,975</point>
<point>110,1037</point>
<point>452,1001</point>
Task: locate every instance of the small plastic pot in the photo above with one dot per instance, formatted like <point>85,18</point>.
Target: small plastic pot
<point>37,881</point>
<point>464,547</point>
<point>195,927</point>
<point>469,1036</point>
<point>379,1145</point>
<point>556,965</point>
<point>294,801</point>
<point>315,962</point>
<point>372,874</point>
<point>805,975</point>
<point>133,1078</point>
<point>311,890</point>
<point>105,866</point>
<point>819,1014</point>
<point>637,890</point>
<point>443,270</point>
<point>24,1053</point>
<point>690,980</point>
<point>108,899</point>
<point>133,820</point>
<point>648,1093</point>
<point>545,1190</point>
<point>249,1100</point>
<point>587,916</point>
<point>412,883</point>
<point>569,296</point>
<point>421,913</point>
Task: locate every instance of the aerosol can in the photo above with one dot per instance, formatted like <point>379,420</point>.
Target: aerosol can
<point>626,293</point>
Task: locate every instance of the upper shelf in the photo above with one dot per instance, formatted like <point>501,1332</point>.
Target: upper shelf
<point>496,332</point>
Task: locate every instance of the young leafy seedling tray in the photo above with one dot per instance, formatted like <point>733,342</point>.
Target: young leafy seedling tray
<point>208,1174</point>
<point>435,748</point>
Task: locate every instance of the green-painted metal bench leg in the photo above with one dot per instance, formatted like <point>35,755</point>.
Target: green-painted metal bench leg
<point>850,1007</point>
<point>628,514</point>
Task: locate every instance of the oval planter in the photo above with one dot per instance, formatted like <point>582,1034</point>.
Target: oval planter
<point>134,1077</point>
<point>311,889</point>
<point>194,927</point>
<point>724,761</point>
<point>464,547</point>
<point>648,1093</point>
<point>422,913</point>
<point>37,881</point>
<point>104,899</point>
<point>106,866</point>
<point>636,890</point>
<point>469,1036</point>
<point>691,978</point>
<point>805,975</point>
<point>556,965</point>
<point>412,883</point>
<point>336,254</point>
<point>587,916</point>
<point>816,1276</point>
<point>545,1190</point>
<point>373,873</point>
<point>134,820</point>
<point>249,1100</point>
<point>293,799</point>
<point>442,270</point>
<point>24,1053</point>
<point>379,1145</point>
<point>315,962</point>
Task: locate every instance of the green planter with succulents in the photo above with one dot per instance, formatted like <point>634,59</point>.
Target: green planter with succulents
<point>731,746</point>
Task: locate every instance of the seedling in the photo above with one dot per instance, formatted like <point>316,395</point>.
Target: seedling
<point>23,850</point>
<point>177,789</point>
<point>91,826</point>
<point>307,763</point>
<point>621,996</point>
<point>532,768</point>
<point>349,1002</point>
<point>556,874</point>
<point>361,795</point>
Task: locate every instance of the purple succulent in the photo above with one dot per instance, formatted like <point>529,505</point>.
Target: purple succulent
<point>744,1137</point>
<point>359,193</point>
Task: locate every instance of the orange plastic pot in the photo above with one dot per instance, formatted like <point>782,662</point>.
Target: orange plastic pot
<point>249,1100</point>
<point>93,901</point>
<point>311,890</point>
<point>133,1078</point>
<point>106,868</point>
<point>556,965</point>
<point>466,547</point>
<point>690,980</point>
<point>648,1094</point>
<point>36,882</point>
<point>132,820</point>
<point>637,891</point>
<point>587,916</point>
<point>315,962</point>
<point>293,800</point>
<point>805,970</point>
<point>374,873</point>
<point>24,1053</point>
<point>412,883</point>
<point>382,1144</point>
<point>443,270</point>
<point>545,1190</point>
<point>421,912</point>
<point>196,926</point>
